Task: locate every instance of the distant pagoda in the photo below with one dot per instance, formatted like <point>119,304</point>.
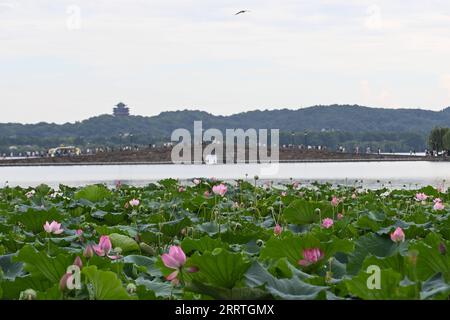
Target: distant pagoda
<point>121,109</point>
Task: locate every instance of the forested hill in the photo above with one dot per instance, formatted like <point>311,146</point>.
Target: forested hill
<point>337,118</point>
<point>354,120</point>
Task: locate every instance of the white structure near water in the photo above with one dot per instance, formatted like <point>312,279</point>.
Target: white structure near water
<point>211,159</point>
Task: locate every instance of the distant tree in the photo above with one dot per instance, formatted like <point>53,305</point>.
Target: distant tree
<point>436,139</point>
<point>446,142</point>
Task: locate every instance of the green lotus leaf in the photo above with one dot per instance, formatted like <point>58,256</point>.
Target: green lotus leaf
<point>124,242</point>
<point>220,267</point>
<point>94,193</point>
<point>287,289</point>
<point>105,284</point>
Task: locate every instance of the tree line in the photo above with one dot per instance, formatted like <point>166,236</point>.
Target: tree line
<point>350,141</point>
<point>350,127</point>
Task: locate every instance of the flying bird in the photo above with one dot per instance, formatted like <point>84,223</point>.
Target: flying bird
<point>242,11</point>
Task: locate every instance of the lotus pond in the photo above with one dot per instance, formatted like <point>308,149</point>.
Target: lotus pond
<point>211,240</point>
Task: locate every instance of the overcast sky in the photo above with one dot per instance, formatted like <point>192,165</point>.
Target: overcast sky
<point>70,60</point>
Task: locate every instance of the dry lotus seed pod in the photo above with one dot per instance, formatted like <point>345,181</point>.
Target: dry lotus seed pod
<point>28,294</point>
<point>131,288</point>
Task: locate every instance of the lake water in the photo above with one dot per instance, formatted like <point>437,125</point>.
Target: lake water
<point>374,174</point>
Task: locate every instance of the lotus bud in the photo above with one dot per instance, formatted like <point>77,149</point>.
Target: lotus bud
<point>78,262</point>
<point>63,282</point>
<point>317,211</point>
<point>131,288</point>
<point>88,252</point>
<point>277,230</point>
<point>28,294</point>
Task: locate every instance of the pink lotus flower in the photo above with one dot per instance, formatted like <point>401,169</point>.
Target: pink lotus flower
<point>311,256</point>
<point>335,201</point>
<point>175,259</point>
<point>421,196</point>
<point>437,200</point>
<point>197,181</point>
<point>220,189</point>
<point>206,194</point>
<point>354,196</point>
<point>398,235</point>
<point>277,230</point>
<point>438,206</point>
<point>104,247</point>
<point>134,203</point>
<point>295,185</point>
<point>79,233</point>
<point>118,184</point>
<point>181,189</point>
<point>327,223</point>
<point>284,194</point>
<point>340,216</point>
<point>53,227</point>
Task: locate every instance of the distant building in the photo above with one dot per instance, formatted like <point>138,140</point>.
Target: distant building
<point>121,109</point>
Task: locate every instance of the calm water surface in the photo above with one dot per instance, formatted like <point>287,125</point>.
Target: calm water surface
<point>373,174</point>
